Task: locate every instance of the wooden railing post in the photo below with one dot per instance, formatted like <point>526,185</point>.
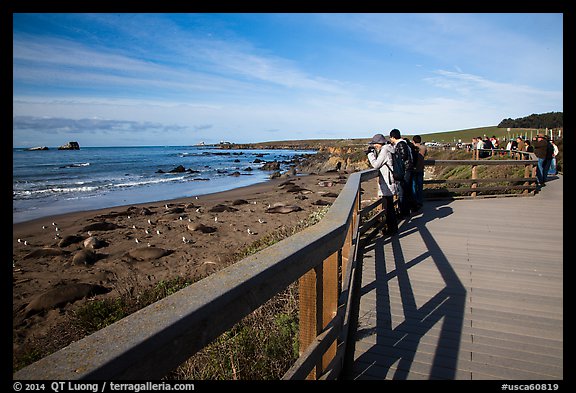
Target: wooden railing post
<point>349,242</point>
<point>527,173</point>
<point>318,293</point>
<point>534,170</point>
<point>474,176</point>
<point>330,301</point>
<point>310,297</point>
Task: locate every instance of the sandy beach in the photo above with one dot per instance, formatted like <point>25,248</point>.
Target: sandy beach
<point>130,248</point>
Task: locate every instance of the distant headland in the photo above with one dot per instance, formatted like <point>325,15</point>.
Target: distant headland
<point>67,146</point>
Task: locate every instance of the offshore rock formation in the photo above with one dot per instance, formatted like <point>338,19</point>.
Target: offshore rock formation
<point>70,146</point>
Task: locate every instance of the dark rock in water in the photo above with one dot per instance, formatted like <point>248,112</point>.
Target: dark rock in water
<point>178,169</point>
<point>271,166</point>
<point>70,146</point>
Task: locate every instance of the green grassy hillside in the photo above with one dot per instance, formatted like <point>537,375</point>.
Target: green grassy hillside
<point>466,135</point>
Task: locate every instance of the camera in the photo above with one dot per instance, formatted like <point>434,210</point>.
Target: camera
<point>371,149</point>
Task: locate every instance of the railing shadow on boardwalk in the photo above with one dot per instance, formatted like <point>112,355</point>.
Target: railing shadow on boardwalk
<point>447,305</point>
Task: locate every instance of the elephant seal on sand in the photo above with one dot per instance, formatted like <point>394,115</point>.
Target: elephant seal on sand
<point>148,253</point>
<point>70,239</point>
<point>283,209</point>
<point>93,243</point>
<point>59,296</point>
<point>85,257</point>
<point>201,228</point>
<point>101,226</point>
<point>46,252</point>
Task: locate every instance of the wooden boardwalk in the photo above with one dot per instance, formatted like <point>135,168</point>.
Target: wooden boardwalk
<point>469,289</point>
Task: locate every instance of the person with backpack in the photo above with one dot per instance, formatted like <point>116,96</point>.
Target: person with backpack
<point>403,153</point>
<point>380,157</point>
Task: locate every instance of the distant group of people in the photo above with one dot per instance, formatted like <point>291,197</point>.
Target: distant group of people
<point>543,147</point>
<point>401,165</point>
<point>485,143</point>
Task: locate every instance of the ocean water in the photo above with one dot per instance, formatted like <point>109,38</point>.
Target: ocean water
<point>49,182</point>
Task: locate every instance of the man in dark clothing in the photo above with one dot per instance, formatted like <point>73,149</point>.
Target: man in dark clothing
<point>543,150</point>
<point>405,199</point>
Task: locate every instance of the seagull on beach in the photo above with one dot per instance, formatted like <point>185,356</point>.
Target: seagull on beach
<point>137,241</point>
<point>251,232</point>
<point>261,221</point>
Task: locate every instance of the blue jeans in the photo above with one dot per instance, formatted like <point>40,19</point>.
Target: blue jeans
<point>418,187</point>
<point>542,170</point>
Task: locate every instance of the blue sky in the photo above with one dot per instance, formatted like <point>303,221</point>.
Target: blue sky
<point>179,79</point>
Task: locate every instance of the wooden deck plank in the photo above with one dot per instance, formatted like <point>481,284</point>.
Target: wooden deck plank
<point>469,289</point>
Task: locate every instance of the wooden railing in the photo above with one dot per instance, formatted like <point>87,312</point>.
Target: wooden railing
<point>324,260</point>
<point>506,185</point>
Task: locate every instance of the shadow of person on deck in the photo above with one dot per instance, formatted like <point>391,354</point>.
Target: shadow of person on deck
<point>393,352</point>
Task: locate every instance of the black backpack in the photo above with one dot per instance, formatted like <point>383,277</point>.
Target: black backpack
<point>398,169</point>
<point>416,157</point>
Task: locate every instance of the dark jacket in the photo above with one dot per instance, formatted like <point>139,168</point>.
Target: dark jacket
<point>403,150</point>
<point>543,149</point>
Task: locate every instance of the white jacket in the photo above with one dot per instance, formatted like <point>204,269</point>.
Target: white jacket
<point>387,184</point>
